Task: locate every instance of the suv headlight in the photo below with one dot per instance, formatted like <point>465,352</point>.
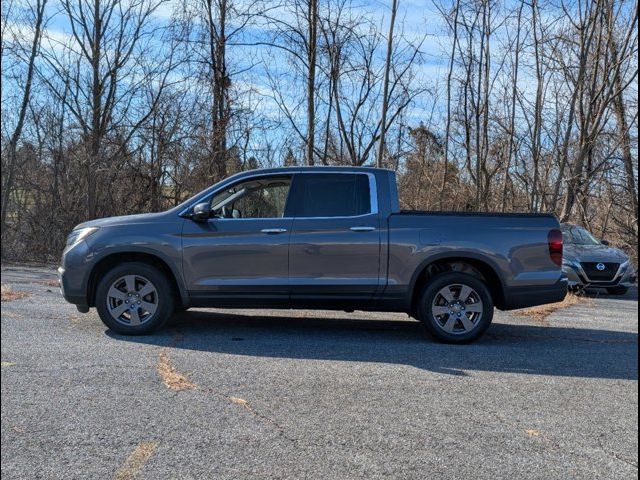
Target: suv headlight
<point>80,234</point>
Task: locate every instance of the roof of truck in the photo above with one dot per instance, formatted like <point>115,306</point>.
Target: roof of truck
<point>293,169</point>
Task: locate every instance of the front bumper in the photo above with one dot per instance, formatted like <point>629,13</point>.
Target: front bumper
<point>72,275</point>
<point>624,277</point>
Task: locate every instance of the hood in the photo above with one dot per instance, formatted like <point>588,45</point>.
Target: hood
<point>122,220</point>
<point>593,253</point>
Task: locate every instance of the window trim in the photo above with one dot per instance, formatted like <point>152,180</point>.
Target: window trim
<point>209,197</point>
<point>248,179</point>
<point>373,195</point>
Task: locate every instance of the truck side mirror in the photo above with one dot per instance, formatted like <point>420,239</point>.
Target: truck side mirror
<point>201,212</point>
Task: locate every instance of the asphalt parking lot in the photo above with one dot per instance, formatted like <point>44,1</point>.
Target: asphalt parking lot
<point>301,394</point>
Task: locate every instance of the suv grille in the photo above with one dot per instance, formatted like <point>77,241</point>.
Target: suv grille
<point>606,275</point>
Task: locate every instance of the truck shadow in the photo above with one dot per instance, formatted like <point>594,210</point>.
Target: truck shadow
<point>509,348</point>
<point>632,294</point>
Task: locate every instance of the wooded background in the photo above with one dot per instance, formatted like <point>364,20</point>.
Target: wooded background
<point>124,106</point>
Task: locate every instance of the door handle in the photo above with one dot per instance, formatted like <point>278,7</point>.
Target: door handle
<point>273,231</point>
<point>362,229</point>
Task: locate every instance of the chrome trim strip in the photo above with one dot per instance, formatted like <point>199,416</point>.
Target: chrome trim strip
<point>362,229</point>
<point>613,279</point>
<point>373,195</point>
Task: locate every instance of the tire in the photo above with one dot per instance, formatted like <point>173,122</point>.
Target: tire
<point>140,296</point>
<point>617,290</point>
<point>445,318</point>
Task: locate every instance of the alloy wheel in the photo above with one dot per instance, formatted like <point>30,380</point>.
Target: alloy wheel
<point>457,309</point>
<point>132,300</point>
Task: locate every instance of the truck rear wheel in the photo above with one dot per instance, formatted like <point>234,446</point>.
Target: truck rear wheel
<point>134,299</point>
<point>455,307</point>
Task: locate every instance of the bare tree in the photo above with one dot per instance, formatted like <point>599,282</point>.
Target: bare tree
<point>385,84</point>
<point>107,63</point>
<point>31,49</point>
<point>619,105</point>
<point>122,107</point>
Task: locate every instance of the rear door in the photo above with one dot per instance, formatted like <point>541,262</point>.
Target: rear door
<point>334,247</point>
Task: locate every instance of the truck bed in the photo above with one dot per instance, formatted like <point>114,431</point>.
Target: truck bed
<point>475,214</point>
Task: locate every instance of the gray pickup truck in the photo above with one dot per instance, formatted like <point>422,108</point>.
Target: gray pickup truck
<point>313,237</point>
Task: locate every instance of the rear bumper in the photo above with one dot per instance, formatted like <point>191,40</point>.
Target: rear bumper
<point>523,297</point>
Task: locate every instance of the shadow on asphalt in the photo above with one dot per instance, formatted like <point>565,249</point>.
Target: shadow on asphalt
<point>509,348</point>
<point>631,295</point>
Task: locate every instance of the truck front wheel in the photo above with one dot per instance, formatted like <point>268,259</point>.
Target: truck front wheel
<point>455,307</point>
<point>134,298</point>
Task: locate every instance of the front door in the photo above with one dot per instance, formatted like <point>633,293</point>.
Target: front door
<point>242,250</point>
<point>334,251</point>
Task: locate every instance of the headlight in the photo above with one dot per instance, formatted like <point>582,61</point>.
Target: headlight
<point>567,263</point>
<point>80,234</point>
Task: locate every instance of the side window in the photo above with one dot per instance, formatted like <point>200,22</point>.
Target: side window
<point>256,198</point>
<point>333,195</point>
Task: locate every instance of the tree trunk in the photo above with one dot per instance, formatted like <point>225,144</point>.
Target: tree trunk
<point>385,87</point>
<point>512,120</point>
<point>537,121</point>
<point>95,140</point>
<point>619,110</point>
<point>24,105</point>
<point>448,126</point>
<point>311,78</point>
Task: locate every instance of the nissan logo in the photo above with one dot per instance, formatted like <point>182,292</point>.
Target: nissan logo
<point>600,266</point>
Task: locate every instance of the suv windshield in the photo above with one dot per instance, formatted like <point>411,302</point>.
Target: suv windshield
<point>579,236</point>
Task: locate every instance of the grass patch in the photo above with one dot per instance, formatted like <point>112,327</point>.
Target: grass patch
<point>172,379</point>
<point>9,295</point>
<point>541,312</point>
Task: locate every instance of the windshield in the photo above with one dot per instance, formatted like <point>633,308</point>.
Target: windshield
<point>579,236</point>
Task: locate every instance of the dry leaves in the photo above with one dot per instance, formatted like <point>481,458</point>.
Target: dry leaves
<point>134,462</point>
<point>541,312</point>
<point>172,379</point>
<point>240,401</point>
<point>8,295</point>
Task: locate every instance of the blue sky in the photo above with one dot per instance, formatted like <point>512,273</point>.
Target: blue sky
<point>418,21</point>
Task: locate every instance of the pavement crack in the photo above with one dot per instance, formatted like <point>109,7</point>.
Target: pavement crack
<point>247,407</point>
<point>617,456</point>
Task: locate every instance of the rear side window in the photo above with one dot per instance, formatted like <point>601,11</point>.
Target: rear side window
<point>333,195</point>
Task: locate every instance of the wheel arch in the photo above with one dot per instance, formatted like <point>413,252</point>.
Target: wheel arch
<point>152,258</point>
<point>475,265</point>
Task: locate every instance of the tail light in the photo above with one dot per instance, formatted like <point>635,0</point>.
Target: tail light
<point>555,246</point>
